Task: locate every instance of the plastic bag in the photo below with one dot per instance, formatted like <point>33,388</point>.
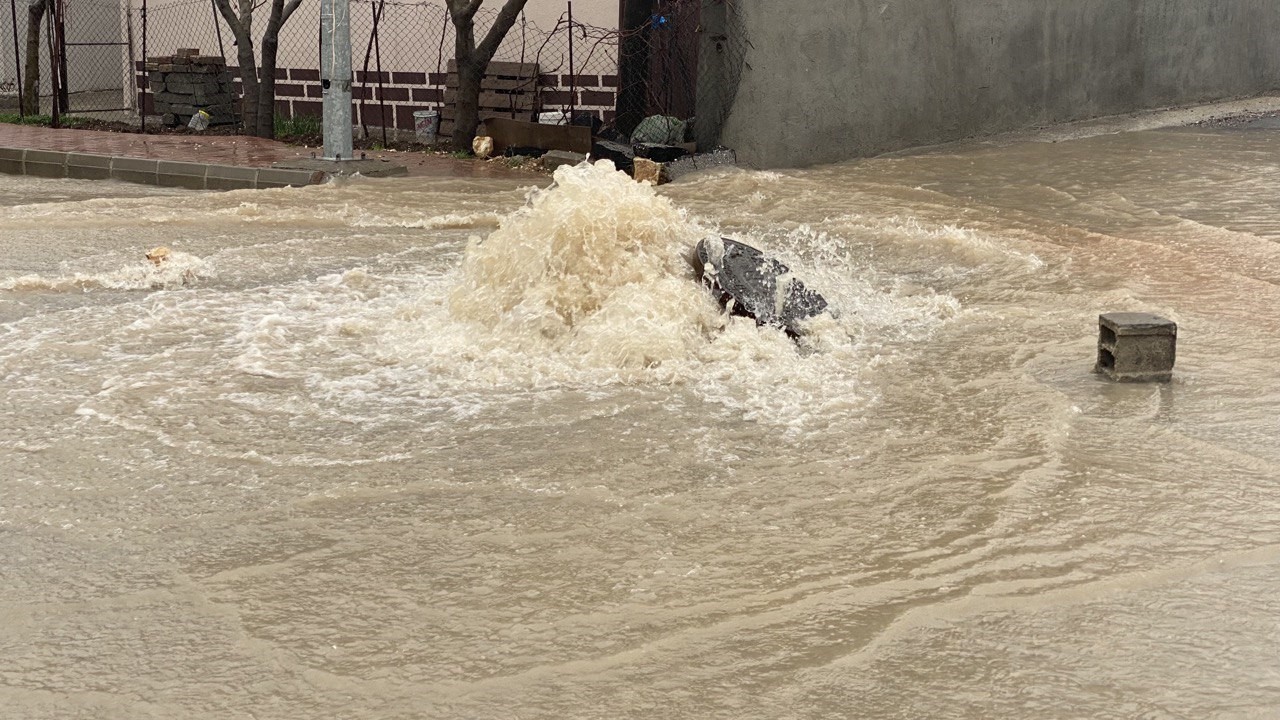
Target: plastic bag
<point>199,121</point>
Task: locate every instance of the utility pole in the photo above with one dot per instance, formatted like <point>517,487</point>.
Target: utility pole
<point>335,77</point>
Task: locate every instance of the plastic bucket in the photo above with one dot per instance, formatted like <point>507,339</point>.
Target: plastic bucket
<point>425,124</point>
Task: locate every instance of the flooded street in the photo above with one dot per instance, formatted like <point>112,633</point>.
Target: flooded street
<point>342,458</point>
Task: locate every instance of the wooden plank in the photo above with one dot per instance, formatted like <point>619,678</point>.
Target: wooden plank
<point>508,133</point>
<point>496,101</point>
<point>449,112</point>
<point>496,84</point>
<point>505,69</point>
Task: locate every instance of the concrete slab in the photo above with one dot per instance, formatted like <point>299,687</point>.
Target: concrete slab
<point>230,177</point>
<point>278,178</point>
<point>11,160</point>
<point>181,174</point>
<point>365,167</point>
<point>139,170</point>
<point>84,166</point>
<point>45,163</point>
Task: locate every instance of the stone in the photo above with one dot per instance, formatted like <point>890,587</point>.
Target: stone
<point>623,156</point>
<point>1136,347</point>
<point>646,170</point>
<point>660,153</point>
<point>553,159</point>
<point>482,146</point>
<point>748,282</point>
<point>704,161</point>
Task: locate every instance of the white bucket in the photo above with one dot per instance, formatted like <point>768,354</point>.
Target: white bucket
<point>425,124</point>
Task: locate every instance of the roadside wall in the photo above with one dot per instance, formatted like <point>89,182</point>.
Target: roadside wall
<point>826,80</point>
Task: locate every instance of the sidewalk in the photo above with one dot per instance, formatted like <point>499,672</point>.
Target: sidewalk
<point>227,150</point>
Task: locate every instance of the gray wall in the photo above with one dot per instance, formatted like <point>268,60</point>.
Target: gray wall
<point>825,80</point>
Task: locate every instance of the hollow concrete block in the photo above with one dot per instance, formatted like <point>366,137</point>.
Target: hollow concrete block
<point>1136,347</point>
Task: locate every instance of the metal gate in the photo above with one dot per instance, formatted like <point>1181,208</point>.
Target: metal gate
<point>95,38</point>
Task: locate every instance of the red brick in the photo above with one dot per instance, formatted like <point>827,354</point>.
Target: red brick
<point>372,77</point>
<point>283,110</point>
<point>308,107</point>
<point>409,78</point>
<point>284,90</point>
<point>394,94</point>
<point>305,74</point>
<point>596,97</point>
<point>315,91</point>
<point>428,95</point>
<point>361,92</point>
<point>374,115</point>
<point>579,80</point>
<point>556,98</point>
<point>609,81</point>
<point>436,78</point>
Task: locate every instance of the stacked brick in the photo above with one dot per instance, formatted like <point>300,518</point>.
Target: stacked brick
<point>187,82</point>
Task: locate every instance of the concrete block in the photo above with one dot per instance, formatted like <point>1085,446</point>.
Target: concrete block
<point>555,158</point>
<point>646,170</point>
<point>83,166</point>
<point>276,178</point>
<point>229,177</point>
<point>136,170</point>
<point>11,161</point>
<point>46,163</point>
<point>181,174</point>
<point>1136,347</point>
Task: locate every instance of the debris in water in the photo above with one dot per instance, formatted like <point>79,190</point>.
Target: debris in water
<point>750,283</point>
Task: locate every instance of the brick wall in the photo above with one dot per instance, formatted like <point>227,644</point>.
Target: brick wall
<point>299,93</point>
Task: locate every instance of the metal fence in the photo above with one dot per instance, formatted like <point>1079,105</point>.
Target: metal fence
<point>401,52</point>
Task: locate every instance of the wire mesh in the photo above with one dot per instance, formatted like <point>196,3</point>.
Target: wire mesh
<point>400,53</point>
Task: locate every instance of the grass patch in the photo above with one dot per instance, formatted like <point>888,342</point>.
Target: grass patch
<point>301,126</point>
<point>69,121</point>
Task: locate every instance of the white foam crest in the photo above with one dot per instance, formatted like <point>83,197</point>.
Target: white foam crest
<point>180,269</point>
<point>597,267</point>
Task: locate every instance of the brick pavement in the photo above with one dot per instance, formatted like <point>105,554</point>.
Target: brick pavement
<point>238,150</point>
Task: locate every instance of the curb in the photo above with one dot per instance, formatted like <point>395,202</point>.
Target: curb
<point>164,173</point>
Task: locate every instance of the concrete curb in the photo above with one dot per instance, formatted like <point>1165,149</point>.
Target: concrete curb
<point>163,173</point>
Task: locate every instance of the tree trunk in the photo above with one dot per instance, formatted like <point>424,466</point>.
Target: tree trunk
<point>473,60</point>
<point>31,74</point>
<point>248,80</point>
<point>266,99</point>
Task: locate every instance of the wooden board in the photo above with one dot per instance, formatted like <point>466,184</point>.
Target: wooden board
<point>504,69</point>
<point>496,101</point>
<point>508,133</point>
<point>497,84</point>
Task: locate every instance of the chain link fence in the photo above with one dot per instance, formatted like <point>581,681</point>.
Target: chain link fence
<point>400,52</point>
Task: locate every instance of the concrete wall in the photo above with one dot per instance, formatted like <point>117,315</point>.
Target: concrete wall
<point>825,80</point>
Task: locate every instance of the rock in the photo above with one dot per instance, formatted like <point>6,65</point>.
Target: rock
<point>623,156</point>
<point>750,283</point>
<point>482,146</point>
<point>660,153</point>
<point>703,161</point>
<point>646,170</point>
<point>555,158</point>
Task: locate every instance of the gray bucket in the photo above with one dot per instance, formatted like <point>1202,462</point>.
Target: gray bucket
<point>425,124</point>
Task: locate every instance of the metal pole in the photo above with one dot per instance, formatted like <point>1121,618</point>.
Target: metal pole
<point>217,25</point>
<point>146,74</point>
<point>573,78</point>
<point>377,54</point>
<point>335,77</point>
<point>64,98</point>
<point>17,59</point>
<point>53,67</point>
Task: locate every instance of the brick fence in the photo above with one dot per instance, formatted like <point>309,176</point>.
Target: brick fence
<point>299,93</point>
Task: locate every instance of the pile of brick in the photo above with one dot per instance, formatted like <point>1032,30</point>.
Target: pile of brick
<point>187,82</point>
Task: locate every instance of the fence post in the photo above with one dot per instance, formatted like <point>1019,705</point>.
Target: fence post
<point>573,76</point>
<point>17,60</point>
<point>146,74</point>
<point>53,66</point>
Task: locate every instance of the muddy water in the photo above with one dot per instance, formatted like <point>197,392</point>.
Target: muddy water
<point>343,458</point>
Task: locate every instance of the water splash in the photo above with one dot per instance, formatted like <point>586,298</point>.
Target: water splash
<point>180,269</point>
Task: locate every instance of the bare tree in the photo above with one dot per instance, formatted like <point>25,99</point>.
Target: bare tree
<point>258,82</point>
<point>31,75</point>
<point>473,60</point>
